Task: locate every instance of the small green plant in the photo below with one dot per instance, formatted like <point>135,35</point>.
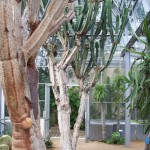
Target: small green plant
<point>5,142</point>
<point>74,98</point>
<point>116,139</point>
<point>8,131</point>
<point>48,142</point>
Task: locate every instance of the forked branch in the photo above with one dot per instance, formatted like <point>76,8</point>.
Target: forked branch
<point>53,19</point>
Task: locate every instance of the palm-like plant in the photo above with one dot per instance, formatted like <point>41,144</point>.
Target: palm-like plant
<point>118,90</point>
<point>139,79</point>
<point>100,94</point>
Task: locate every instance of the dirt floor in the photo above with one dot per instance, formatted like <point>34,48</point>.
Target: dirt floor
<point>137,145</point>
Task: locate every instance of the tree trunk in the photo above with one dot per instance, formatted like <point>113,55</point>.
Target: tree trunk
<point>64,127</point>
<point>36,136</point>
<point>26,133</point>
<point>59,86</point>
<point>79,118</point>
<point>103,121</point>
<point>64,111</point>
<point>18,71</point>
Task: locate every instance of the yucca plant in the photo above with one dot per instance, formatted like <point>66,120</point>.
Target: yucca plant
<point>100,94</point>
<point>139,78</point>
<point>118,90</point>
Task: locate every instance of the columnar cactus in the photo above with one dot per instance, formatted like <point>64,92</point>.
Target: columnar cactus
<point>91,36</point>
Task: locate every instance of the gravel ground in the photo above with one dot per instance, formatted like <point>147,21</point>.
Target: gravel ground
<point>94,145</point>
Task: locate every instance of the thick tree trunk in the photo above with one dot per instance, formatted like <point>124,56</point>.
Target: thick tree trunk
<point>79,118</point>
<point>19,75</point>
<point>59,80</point>
<point>37,141</point>
<point>64,111</point>
<point>64,127</point>
<point>26,133</point>
<point>103,121</point>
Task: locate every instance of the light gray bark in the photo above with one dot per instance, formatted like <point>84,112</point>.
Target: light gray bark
<point>58,79</point>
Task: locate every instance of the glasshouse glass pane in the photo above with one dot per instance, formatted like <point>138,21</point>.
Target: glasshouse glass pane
<point>42,59</point>
<point>43,75</point>
<point>42,105</point>
<point>140,11</point>
<point>41,91</point>
<point>111,111</point>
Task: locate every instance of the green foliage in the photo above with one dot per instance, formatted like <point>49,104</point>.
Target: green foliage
<point>8,131</point>
<point>43,75</point>
<point>116,139</point>
<point>146,29</point>
<point>118,88</point>
<point>139,79</point>
<point>48,142</point>
<point>74,98</point>
<point>100,92</point>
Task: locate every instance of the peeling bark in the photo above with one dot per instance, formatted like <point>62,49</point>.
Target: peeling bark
<point>64,127</point>
<point>58,78</point>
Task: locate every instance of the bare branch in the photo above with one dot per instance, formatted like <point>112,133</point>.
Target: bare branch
<point>48,26</point>
<point>65,47</point>
<point>96,77</point>
<point>53,72</point>
<point>70,58</point>
<point>63,58</point>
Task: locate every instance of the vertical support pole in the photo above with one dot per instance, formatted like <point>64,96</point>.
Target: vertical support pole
<point>47,110</point>
<point>127,113</point>
<point>87,119</point>
<point>2,110</point>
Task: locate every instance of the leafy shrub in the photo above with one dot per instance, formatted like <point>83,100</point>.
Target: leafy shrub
<point>74,98</point>
<point>116,139</point>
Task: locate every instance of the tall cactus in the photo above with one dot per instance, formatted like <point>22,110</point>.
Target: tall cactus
<point>90,36</point>
<point>89,45</point>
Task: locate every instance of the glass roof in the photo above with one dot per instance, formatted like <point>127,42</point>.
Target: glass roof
<point>136,15</point>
